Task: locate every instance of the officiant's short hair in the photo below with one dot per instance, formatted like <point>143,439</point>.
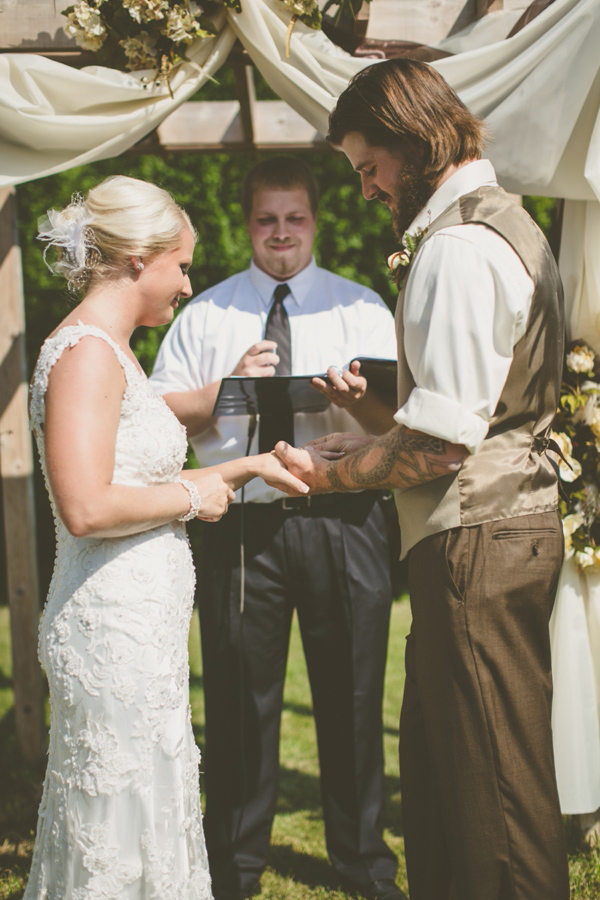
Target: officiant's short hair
<point>280,173</point>
<point>404,103</point>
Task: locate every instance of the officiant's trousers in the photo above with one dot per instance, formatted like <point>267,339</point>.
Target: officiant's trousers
<point>328,559</point>
<point>480,805</point>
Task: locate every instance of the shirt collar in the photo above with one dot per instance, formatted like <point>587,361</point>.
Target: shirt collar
<point>300,284</point>
<point>466,179</point>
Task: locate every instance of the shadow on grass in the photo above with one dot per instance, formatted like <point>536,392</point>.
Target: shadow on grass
<point>299,791</point>
<point>20,793</point>
<point>302,868</point>
<point>5,680</point>
<point>20,786</point>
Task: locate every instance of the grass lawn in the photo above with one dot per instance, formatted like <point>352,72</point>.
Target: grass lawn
<point>298,867</point>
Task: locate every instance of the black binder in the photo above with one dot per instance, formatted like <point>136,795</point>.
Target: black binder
<point>239,395</point>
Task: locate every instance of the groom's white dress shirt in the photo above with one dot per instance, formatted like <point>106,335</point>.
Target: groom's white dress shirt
<point>332,321</point>
<point>466,303</point>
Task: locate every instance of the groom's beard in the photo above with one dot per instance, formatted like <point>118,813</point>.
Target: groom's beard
<point>411,193</point>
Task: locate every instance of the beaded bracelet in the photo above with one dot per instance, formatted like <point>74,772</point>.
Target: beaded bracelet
<point>195,501</point>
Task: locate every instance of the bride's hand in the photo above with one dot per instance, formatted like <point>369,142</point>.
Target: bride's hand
<point>274,473</point>
<point>215,494</point>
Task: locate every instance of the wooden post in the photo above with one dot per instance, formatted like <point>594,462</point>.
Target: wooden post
<point>16,471</point>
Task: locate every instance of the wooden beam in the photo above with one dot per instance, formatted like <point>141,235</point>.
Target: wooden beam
<point>217,125</point>
<point>34,25</point>
<point>16,471</point>
<point>243,77</point>
<point>425,21</point>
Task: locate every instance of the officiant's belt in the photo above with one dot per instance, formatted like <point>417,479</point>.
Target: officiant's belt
<point>320,502</point>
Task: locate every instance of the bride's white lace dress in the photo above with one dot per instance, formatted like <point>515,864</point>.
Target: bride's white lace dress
<point>120,813</point>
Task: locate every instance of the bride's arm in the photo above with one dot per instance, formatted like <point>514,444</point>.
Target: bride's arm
<point>83,402</point>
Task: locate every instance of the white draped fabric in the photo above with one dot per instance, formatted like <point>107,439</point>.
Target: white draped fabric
<point>539,91</point>
<point>575,635</point>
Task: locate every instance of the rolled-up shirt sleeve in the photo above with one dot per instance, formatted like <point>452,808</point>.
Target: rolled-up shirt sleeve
<point>465,307</point>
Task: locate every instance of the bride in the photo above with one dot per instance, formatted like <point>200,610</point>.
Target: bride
<point>120,813</point>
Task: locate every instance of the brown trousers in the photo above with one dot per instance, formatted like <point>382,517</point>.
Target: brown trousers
<point>480,806</point>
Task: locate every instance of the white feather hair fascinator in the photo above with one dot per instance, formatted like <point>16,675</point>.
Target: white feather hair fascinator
<point>67,232</point>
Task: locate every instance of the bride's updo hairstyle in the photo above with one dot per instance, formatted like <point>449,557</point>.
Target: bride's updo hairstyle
<point>95,236</point>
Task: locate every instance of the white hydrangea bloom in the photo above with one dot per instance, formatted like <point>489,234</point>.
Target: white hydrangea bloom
<point>146,10</point>
<point>181,26</point>
<point>570,525</point>
<point>85,25</point>
<point>581,360</point>
<point>300,7</point>
<point>140,51</point>
<point>585,558</point>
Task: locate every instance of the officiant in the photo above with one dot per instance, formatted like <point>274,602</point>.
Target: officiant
<point>325,557</point>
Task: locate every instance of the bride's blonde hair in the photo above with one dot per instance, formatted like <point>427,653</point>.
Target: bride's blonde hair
<point>121,217</point>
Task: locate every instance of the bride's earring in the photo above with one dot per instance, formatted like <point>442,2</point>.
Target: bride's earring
<point>138,265</point>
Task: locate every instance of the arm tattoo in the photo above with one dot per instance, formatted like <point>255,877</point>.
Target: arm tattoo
<point>399,459</point>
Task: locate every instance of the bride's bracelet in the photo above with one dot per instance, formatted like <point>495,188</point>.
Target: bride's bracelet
<point>195,501</point>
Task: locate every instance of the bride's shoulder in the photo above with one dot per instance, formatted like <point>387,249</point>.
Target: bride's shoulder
<point>81,352</point>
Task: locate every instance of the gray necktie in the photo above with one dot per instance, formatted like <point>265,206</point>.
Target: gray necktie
<point>278,330</point>
<point>278,425</point>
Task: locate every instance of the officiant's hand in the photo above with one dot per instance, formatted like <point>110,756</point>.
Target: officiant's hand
<point>258,361</point>
<point>272,470</point>
<point>340,443</point>
<point>347,386</point>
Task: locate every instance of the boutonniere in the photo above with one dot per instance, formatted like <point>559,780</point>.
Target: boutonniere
<point>401,259</point>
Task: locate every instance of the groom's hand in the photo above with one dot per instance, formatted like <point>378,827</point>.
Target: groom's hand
<point>307,464</point>
<point>340,443</point>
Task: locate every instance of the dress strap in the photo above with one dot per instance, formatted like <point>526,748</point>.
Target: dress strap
<point>51,351</point>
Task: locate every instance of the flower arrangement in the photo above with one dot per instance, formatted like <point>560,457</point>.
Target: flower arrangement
<point>576,430</point>
<point>154,34</point>
<point>140,34</point>
<point>401,259</point>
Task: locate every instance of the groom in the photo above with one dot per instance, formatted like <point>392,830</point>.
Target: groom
<point>480,333</point>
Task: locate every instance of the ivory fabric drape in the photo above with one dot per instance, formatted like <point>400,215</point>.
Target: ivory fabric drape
<point>54,117</point>
<point>575,636</point>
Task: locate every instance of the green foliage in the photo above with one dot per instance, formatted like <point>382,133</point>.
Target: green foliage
<point>542,209</point>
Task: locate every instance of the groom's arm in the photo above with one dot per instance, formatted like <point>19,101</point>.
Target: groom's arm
<point>402,458</point>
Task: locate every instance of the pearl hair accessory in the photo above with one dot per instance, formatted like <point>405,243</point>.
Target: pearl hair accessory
<point>195,501</point>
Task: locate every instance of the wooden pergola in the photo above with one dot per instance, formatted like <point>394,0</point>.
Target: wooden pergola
<point>241,124</point>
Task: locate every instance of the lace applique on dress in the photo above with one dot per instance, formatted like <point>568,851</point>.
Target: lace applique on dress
<point>120,813</point>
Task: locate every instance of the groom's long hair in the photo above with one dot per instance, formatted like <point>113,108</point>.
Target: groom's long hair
<point>404,103</point>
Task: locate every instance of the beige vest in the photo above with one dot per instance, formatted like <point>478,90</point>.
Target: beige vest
<point>510,475</point>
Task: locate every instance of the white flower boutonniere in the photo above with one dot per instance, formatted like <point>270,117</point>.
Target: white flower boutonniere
<point>401,259</point>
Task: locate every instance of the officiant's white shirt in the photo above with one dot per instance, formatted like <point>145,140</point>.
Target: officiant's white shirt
<point>466,304</point>
<point>332,321</point>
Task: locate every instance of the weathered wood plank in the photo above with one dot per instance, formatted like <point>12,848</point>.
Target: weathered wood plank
<point>217,125</point>
<point>428,21</point>
<point>33,25</point>
<point>16,471</point>
<point>424,22</point>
